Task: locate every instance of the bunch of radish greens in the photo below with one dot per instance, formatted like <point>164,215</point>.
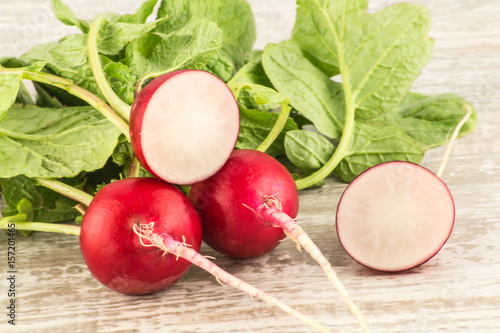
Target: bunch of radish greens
<point>135,112</point>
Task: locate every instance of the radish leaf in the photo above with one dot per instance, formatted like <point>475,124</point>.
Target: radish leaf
<point>255,96</point>
<point>374,143</point>
<point>48,206</point>
<point>252,72</point>
<point>115,35</point>
<point>255,126</point>
<point>428,119</point>
<point>308,150</point>
<point>311,92</point>
<point>121,79</point>
<point>378,55</point>
<point>51,143</point>
<point>142,13</point>
<point>11,85</point>
<point>43,98</point>
<point>64,14</point>
<point>234,17</point>
<point>257,105</point>
<point>193,46</point>
<point>67,58</point>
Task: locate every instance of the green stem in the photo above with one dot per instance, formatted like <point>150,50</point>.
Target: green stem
<point>185,188</point>
<point>150,76</point>
<point>122,108</point>
<point>337,156</point>
<point>134,167</point>
<point>342,148</point>
<point>41,226</point>
<point>66,190</point>
<point>277,128</point>
<point>75,90</point>
<point>140,83</point>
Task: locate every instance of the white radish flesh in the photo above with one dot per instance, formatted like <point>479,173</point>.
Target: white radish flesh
<point>184,125</point>
<point>395,216</point>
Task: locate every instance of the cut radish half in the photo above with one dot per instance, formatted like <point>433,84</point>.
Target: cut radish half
<point>395,216</point>
<point>184,125</point>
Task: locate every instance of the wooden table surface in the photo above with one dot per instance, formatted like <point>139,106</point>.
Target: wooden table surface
<point>457,291</point>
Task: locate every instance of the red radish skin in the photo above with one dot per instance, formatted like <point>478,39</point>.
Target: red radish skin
<point>395,216</point>
<point>141,235</point>
<point>184,125</point>
<point>113,252</point>
<point>247,207</point>
<point>228,203</point>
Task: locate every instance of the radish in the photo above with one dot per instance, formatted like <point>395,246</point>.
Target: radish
<point>395,216</point>
<point>140,235</point>
<point>249,206</point>
<point>184,125</point>
<point>231,202</point>
<point>113,252</point>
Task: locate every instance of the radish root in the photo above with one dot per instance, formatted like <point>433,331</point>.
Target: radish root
<point>447,153</point>
<point>149,238</point>
<point>271,211</point>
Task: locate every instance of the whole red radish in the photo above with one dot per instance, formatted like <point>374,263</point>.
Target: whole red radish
<point>184,125</point>
<point>249,205</point>
<point>229,202</point>
<point>140,235</point>
<point>395,216</point>
<point>112,250</point>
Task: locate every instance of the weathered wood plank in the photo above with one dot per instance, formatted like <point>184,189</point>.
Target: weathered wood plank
<point>457,291</point>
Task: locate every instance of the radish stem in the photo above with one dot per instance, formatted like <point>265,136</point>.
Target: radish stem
<point>447,153</point>
<point>66,190</point>
<point>149,237</point>
<point>277,128</point>
<point>350,108</point>
<point>75,90</point>
<point>340,152</point>
<point>81,208</point>
<point>122,108</point>
<point>271,213</point>
<point>134,167</point>
<point>42,226</point>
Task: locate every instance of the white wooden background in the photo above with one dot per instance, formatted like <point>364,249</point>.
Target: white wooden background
<point>457,291</point>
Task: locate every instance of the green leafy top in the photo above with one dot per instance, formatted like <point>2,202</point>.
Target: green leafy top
<point>377,57</point>
<point>54,142</point>
<point>335,97</point>
<point>234,17</point>
<point>65,137</point>
<point>11,83</point>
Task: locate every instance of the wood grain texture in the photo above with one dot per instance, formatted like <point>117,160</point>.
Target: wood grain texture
<point>456,291</point>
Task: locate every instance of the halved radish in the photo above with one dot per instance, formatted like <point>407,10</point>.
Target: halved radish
<point>184,125</point>
<point>395,216</point>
